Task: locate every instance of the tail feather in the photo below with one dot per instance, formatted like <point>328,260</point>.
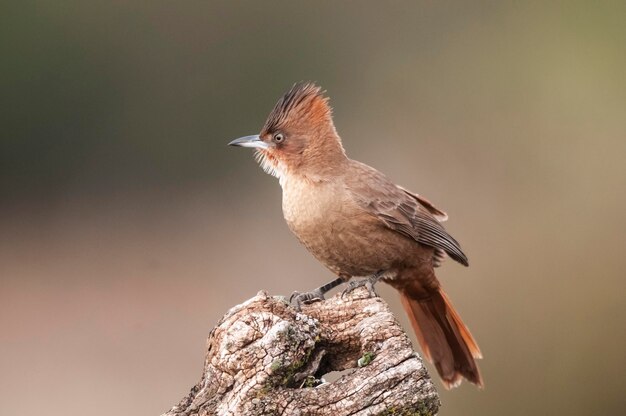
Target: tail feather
<point>445,340</point>
<point>467,336</point>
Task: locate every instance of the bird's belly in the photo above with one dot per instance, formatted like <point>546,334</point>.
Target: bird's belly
<point>352,251</point>
<point>340,234</point>
<point>347,245</point>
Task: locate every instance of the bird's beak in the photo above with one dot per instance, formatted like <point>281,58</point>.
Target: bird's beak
<point>250,141</point>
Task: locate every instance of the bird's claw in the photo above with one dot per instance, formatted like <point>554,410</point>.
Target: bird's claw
<point>297,299</point>
<point>368,283</point>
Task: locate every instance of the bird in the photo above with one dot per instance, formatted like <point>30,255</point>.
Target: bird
<point>358,223</point>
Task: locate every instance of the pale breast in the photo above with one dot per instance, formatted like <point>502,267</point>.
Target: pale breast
<point>335,230</point>
<point>310,209</point>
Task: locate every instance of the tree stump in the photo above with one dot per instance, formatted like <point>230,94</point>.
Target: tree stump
<point>266,358</point>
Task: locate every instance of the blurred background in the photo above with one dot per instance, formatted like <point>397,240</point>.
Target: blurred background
<point>128,227</point>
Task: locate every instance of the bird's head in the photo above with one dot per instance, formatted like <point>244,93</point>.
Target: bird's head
<point>299,137</point>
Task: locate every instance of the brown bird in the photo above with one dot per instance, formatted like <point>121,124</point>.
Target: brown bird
<point>357,222</point>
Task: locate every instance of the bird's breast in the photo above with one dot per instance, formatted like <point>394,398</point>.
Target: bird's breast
<point>334,229</point>
<point>310,209</point>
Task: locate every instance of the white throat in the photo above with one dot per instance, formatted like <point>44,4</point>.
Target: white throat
<point>271,166</point>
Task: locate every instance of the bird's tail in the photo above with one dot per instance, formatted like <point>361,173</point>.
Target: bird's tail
<point>446,342</point>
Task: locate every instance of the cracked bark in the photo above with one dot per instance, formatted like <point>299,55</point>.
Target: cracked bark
<point>265,358</point>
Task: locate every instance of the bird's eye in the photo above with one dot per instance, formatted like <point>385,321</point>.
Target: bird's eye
<point>279,138</point>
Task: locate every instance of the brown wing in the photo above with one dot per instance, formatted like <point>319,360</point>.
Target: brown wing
<point>437,213</point>
<point>404,212</point>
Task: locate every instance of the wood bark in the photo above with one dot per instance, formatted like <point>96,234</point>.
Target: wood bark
<point>266,358</point>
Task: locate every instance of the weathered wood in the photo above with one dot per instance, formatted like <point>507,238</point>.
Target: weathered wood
<point>265,358</point>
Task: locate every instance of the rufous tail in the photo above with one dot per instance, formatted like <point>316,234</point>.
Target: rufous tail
<point>446,342</point>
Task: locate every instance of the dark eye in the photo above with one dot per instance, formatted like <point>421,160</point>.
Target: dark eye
<point>279,138</point>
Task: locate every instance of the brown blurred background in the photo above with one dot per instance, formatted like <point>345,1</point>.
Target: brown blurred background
<point>127,227</point>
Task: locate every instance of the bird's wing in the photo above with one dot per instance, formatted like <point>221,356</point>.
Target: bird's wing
<point>437,213</point>
<point>439,255</point>
<point>404,212</point>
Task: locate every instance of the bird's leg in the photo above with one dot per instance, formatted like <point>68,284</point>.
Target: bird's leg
<point>368,283</point>
<point>297,299</point>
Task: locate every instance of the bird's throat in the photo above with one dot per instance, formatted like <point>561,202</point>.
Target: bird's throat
<point>269,163</point>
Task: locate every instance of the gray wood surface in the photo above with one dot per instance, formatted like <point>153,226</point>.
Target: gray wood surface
<point>265,358</point>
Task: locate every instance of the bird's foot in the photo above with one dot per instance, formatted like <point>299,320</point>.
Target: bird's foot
<point>353,284</point>
<point>298,299</point>
<point>368,283</point>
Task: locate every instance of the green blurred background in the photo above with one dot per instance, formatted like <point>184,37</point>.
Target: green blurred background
<point>128,227</point>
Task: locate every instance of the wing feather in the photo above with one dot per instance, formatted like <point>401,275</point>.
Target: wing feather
<point>406,213</point>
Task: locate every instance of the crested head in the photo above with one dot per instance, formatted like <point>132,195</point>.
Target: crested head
<point>299,136</point>
<point>304,105</point>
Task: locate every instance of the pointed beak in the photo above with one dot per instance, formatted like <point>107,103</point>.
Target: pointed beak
<point>249,141</point>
